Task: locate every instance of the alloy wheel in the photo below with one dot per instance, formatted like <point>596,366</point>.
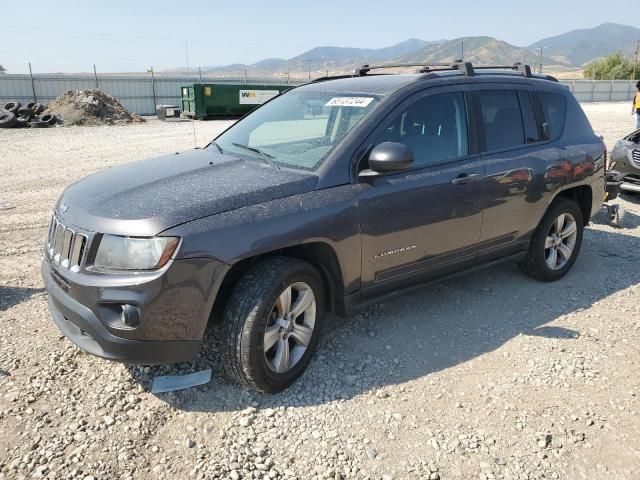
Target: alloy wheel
<point>290,327</point>
<point>560,241</point>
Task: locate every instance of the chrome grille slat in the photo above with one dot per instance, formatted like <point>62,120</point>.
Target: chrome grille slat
<point>65,246</point>
<point>77,252</point>
<point>635,157</point>
<point>52,229</point>
<point>57,242</point>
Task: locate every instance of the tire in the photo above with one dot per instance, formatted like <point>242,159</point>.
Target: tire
<point>540,256</point>
<point>7,119</point>
<point>21,122</point>
<point>11,107</point>
<point>49,118</point>
<point>25,112</point>
<point>38,124</point>
<point>37,108</point>
<point>30,105</point>
<point>255,305</point>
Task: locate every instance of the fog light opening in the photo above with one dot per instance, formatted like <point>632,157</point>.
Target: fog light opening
<point>130,315</point>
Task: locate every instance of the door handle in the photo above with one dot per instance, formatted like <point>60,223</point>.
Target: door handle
<point>465,178</point>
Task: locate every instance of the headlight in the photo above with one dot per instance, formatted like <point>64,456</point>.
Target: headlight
<point>130,253</point>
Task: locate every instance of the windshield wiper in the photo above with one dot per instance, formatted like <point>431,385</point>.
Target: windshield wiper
<point>263,155</point>
<point>217,146</point>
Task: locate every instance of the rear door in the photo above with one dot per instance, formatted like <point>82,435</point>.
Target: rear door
<point>515,157</point>
<point>426,221</point>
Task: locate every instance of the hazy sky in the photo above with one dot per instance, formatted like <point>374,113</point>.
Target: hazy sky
<point>70,36</point>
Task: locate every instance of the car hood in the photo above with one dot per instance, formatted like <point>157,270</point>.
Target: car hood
<point>144,198</point>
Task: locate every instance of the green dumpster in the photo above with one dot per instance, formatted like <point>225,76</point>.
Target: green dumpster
<point>211,100</point>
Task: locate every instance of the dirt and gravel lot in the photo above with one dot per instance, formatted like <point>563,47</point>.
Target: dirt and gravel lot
<point>491,375</point>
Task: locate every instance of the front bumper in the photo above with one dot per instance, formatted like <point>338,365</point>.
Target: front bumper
<point>174,307</point>
<point>624,162</point>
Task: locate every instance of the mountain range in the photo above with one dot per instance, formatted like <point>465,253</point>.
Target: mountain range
<point>571,50</point>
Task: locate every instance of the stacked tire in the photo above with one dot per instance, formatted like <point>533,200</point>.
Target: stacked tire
<point>14,115</point>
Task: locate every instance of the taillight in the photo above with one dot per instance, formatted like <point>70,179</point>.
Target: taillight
<point>606,154</point>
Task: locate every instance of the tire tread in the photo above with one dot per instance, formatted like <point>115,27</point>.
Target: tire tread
<point>241,314</point>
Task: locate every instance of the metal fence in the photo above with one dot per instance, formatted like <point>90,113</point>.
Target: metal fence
<point>601,90</point>
<point>141,93</point>
<point>137,93</point>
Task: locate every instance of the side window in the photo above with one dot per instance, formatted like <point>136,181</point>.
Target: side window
<point>531,131</point>
<point>434,128</point>
<point>502,119</point>
<point>554,107</point>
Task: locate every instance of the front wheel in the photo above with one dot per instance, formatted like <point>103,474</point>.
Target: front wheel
<point>556,242</point>
<point>272,323</point>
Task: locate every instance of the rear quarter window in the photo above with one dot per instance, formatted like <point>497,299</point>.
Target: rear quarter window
<point>554,108</point>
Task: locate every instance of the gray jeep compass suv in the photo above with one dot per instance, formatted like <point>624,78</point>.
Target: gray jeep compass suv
<point>324,199</point>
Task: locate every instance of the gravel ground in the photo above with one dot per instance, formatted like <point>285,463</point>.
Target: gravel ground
<point>491,375</point>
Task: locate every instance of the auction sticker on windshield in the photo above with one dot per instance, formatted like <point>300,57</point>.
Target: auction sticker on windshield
<point>349,102</point>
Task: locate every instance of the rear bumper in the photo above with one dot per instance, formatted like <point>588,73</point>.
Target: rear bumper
<point>80,325</point>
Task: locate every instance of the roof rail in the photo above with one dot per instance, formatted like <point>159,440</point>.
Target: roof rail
<point>330,77</point>
<point>467,69</point>
<point>518,67</point>
<point>365,69</point>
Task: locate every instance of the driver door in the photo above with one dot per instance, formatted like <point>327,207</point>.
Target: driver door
<point>426,221</point>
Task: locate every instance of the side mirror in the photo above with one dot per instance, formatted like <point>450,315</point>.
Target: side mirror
<point>388,157</point>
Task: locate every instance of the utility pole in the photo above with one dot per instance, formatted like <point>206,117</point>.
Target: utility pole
<point>153,87</point>
<point>540,62</point>
<point>462,50</point>
<point>33,85</point>
<point>95,75</point>
<point>635,61</point>
<point>186,54</point>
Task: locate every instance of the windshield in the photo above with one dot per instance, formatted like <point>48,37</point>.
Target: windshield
<point>296,129</point>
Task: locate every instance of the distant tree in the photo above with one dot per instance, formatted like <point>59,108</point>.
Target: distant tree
<point>612,67</point>
<point>2,69</point>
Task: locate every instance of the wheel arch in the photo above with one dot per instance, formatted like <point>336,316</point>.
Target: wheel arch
<point>319,254</point>
<point>582,195</point>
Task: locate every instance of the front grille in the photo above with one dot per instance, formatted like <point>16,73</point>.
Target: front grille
<point>635,157</point>
<point>632,179</point>
<point>65,247</point>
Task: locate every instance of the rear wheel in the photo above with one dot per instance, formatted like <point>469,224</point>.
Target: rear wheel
<point>556,242</point>
<point>272,323</point>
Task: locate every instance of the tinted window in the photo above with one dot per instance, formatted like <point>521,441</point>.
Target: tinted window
<point>531,132</point>
<point>502,119</point>
<point>435,128</point>
<point>554,107</point>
